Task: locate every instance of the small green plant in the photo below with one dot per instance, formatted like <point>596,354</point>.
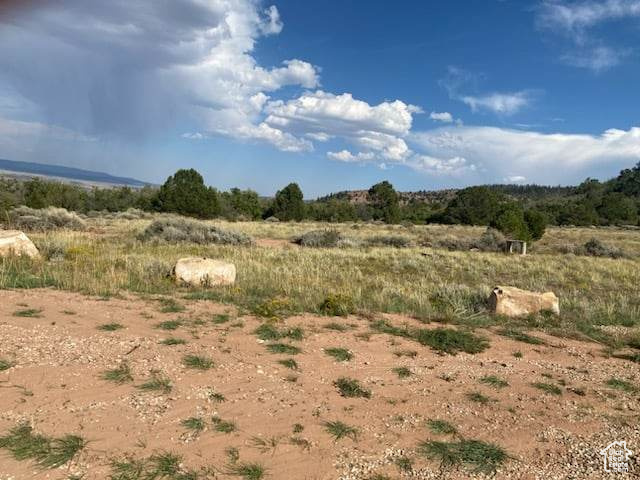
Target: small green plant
<point>197,361</point>
<point>520,336</point>
<point>193,423</point>
<point>169,325</point>
<point>480,457</point>
<point>217,397</point>
<point>248,471</point>
<point>274,308</point>
<point>340,354</point>
<point>163,465</point>
<point>265,444</point>
<point>289,363</point>
<point>28,312</point>
<point>221,318</point>
<point>120,375</point>
<point>404,463</point>
<point>283,348</point>
<point>298,428</point>
<point>339,430</point>
<point>623,385</point>
<point>517,354</point>
<point>268,331</point>
<point>547,388</point>
<point>402,372</point>
<point>338,327</point>
<point>48,452</point>
<point>110,327</point>
<point>223,426</point>
<point>406,353</point>
<point>157,383</point>
<point>169,305</point>
<point>478,398</point>
<point>337,305</point>
<point>5,364</point>
<point>494,381</point>
<point>441,427</point>
<point>351,388</point>
<point>173,341</point>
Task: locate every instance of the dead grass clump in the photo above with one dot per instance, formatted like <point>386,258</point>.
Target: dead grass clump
<point>45,219</point>
<point>176,230</point>
<point>597,248</point>
<point>395,241</point>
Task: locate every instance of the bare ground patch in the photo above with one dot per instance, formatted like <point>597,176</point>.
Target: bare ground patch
<point>274,408</point>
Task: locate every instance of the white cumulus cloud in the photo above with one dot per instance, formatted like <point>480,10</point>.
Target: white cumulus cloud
<point>444,117</point>
<point>547,158</point>
<point>500,103</point>
<point>321,115</point>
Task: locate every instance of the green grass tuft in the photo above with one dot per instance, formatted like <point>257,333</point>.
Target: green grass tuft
<point>478,397</point>
<point>289,363</point>
<point>162,465</point>
<point>520,336</point>
<point>169,305</point>
<point>340,354</point>
<point>119,375</point>
<point>198,362</point>
<point>480,457</point>
<point>5,365</point>
<point>623,385</point>
<point>283,348</point>
<point>339,430</point>
<point>351,388</point>
<point>547,388</point>
<point>110,327</point>
<point>157,383</point>
<point>169,325</point>
<point>402,372</point>
<point>29,313</point>
<point>494,381</point>
<point>193,423</point>
<point>444,340</point>
<point>23,444</point>
<point>248,471</point>
<point>441,427</point>
<point>173,341</point>
<point>223,426</point>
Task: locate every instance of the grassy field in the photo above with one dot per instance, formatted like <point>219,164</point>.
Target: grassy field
<point>264,379</point>
<point>431,284</point>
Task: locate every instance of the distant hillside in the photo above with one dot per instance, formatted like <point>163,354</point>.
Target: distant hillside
<point>68,173</point>
<point>423,196</point>
<point>442,197</point>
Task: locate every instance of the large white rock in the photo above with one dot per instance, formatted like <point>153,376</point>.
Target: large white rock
<point>513,302</point>
<point>14,242</point>
<point>204,272</point>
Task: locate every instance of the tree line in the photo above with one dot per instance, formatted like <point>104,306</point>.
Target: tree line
<point>519,211</point>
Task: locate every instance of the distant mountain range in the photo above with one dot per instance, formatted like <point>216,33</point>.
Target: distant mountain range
<point>68,173</point>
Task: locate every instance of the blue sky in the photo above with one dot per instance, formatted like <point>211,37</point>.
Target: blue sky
<point>334,95</point>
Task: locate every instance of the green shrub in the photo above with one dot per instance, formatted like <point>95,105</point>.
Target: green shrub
<point>320,239</point>
<point>337,305</point>
<point>45,219</point>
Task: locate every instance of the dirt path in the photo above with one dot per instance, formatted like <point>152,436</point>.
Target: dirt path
<point>60,355</point>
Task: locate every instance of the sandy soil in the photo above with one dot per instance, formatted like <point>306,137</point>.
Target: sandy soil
<point>61,354</point>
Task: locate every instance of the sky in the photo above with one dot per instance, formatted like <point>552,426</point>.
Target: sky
<point>334,95</point>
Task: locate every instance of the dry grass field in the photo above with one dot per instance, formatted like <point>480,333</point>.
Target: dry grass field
<point>365,362</point>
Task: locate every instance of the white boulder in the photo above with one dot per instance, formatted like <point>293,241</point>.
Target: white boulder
<point>204,272</point>
<point>513,302</point>
<point>14,242</point>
